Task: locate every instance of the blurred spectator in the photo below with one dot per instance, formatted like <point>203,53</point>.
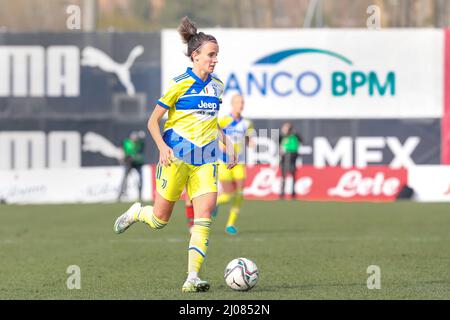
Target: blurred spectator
<point>133,148</point>
<point>289,144</point>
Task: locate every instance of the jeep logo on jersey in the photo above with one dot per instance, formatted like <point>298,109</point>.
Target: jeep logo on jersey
<point>207,105</point>
<point>36,71</point>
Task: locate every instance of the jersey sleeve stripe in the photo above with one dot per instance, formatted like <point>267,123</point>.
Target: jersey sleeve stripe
<point>162,104</point>
<point>177,79</point>
<point>217,80</point>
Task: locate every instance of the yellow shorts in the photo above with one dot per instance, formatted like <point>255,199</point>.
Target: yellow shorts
<point>237,173</point>
<point>198,180</point>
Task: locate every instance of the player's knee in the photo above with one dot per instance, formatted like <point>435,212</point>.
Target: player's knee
<point>204,214</point>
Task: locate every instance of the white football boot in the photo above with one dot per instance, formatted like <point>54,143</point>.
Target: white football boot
<point>195,285</point>
<point>127,219</point>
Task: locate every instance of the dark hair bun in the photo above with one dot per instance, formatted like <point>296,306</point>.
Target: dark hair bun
<point>189,35</point>
<point>187,29</point>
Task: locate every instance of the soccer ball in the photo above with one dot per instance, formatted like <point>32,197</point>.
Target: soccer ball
<point>241,274</point>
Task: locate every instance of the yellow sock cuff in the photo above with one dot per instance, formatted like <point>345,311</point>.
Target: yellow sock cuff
<point>158,223</point>
<point>205,222</point>
<point>146,215</point>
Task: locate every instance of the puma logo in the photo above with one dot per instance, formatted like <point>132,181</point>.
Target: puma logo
<point>93,57</point>
<point>94,142</point>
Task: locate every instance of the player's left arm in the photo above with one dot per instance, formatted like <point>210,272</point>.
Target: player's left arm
<point>228,147</point>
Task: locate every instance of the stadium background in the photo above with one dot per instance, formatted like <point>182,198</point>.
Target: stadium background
<point>62,123</point>
<point>394,108</point>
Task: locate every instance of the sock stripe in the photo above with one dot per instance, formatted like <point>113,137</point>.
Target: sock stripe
<point>205,222</point>
<point>159,220</point>
<point>198,250</point>
<point>159,224</point>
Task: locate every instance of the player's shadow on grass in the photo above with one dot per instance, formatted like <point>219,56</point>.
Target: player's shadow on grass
<point>274,288</point>
<point>277,288</point>
<point>273,231</point>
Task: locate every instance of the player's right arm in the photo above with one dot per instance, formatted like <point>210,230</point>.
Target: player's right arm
<point>165,152</point>
<point>165,103</point>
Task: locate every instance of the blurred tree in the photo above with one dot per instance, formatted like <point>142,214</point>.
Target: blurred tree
<point>147,15</point>
<point>141,9</point>
<point>34,15</point>
<point>441,13</point>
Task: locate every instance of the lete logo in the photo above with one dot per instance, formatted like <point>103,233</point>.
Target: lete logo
<point>330,183</point>
<point>266,183</point>
<point>353,184</point>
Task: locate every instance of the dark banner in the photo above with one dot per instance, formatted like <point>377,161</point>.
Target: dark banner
<point>69,99</point>
<point>79,75</point>
<point>345,143</point>
<point>359,143</point>
<point>67,143</point>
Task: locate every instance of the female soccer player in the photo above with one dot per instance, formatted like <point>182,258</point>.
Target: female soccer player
<point>240,131</point>
<point>188,150</point>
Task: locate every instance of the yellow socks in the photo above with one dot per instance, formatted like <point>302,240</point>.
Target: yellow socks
<point>238,197</point>
<point>234,212</point>
<point>198,244</point>
<point>235,207</point>
<point>145,214</point>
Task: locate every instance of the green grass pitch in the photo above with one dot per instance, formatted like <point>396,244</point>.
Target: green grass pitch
<point>304,250</point>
